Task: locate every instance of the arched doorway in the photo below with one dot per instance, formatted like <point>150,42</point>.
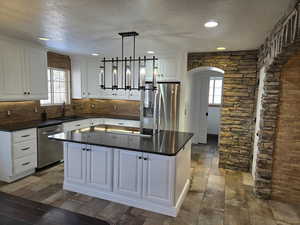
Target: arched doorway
<point>206,99</point>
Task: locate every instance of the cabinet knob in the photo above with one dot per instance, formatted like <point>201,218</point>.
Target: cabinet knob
<point>25,93</point>
<point>145,159</point>
<point>140,157</point>
<point>84,149</point>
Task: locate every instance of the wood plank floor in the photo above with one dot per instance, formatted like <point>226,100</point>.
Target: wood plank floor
<point>18,211</point>
<point>216,197</point>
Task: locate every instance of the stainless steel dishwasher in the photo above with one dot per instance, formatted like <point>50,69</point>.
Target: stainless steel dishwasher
<point>49,151</point>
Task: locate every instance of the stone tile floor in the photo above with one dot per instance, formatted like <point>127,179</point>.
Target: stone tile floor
<point>216,197</point>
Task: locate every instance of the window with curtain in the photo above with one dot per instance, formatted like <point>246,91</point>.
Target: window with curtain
<point>215,91</point>
<point>58,87</point>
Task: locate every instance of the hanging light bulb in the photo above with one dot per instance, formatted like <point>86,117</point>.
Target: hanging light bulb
<point>142,77</point>
<point>101,77</point>
<point>128,77</point>
<point>115,77</point>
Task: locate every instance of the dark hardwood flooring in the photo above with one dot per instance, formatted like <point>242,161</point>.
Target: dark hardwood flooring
<point>216,197</point>
<point>18,211</point>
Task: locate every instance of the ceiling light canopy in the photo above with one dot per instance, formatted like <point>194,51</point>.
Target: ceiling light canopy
<point>221,48</point>
<point>44,38</point>
<point>211,24</point>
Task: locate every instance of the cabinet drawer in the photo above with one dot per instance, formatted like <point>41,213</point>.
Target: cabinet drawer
<point>25,163</point>
<point>24,148</point>
<point>120,122</point>
<point>68,126</point>
<point>95,121</point>
<point>24,135</point>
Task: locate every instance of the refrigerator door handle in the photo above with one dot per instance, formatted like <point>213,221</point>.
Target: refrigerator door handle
<point>159,112</point>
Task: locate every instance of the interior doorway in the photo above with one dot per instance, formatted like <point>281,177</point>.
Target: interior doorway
<point>206,100</point>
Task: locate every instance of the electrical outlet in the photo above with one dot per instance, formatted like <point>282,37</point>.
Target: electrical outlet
<point>93,106</point>
<point>35,109</point>
<point>115,107</point>
<point>8,112</point>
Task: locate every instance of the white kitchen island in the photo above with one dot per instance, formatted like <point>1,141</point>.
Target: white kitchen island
<point>129,169</point>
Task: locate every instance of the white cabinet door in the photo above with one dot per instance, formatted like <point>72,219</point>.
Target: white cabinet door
<point>99,167</point>
<point>128,173</point>
<point>11,71</point>
<point>75,163</point>
<point>36,73</point>
<point>158,178</point>
<point>93,88</point>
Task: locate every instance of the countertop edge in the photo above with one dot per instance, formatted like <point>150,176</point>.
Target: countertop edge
<point>129,149</point>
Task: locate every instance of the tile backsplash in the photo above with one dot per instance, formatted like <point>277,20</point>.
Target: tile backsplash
<point>31,110</point>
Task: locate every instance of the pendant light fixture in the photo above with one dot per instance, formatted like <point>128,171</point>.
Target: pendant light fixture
<point>124,75</point>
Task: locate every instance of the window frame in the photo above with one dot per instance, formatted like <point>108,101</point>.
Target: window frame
<point>214,78</point>
<point>51,91</point>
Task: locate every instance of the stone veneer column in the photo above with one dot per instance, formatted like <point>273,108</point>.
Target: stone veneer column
<point>239,101</point>
<point>268,123</point>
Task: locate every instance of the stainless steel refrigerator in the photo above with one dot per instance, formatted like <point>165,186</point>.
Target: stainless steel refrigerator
<point>160,108</point>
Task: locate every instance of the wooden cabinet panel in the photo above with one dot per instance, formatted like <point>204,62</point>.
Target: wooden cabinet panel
<point>158,178</point>
<point>128,173</point>
<point>99,167</point>
<point>12,67</point>
<point>36,73</point>
<point>75,163</point>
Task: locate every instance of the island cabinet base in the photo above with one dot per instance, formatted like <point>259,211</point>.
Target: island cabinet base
<point>153,182</point>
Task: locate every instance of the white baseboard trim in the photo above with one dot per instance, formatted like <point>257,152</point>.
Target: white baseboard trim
<point>10,179</point>
<point>138,203</point>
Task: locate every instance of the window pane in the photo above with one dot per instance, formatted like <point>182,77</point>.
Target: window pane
<point>217,99</point>
<point>218,83</point>
<point>218,91</point>
<point>210,99</point>
<point>58,87</point>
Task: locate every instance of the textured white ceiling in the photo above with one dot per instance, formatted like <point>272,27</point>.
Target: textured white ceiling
<point>165,26</point>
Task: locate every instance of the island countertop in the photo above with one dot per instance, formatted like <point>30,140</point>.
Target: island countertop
<point>164,142</point>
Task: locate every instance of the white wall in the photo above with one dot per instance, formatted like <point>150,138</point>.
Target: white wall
<point>213,120</point>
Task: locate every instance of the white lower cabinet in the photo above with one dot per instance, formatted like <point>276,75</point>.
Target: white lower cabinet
<point>75,163</point>
<point>150,181</point>
<point>99,167</point>
<point>158,178</point>
<point>128,173</point>
<point>88,165</point>
<point>18,151</point>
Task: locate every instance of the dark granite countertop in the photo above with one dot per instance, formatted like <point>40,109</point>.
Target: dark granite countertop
<point>10,127</point>
<point>163,143</point>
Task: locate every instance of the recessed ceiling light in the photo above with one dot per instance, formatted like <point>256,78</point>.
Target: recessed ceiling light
<point>44,38</point>
<point>95,54</point>
<point>221,48</point>
<point>211,24</point>
<point>150,52</point>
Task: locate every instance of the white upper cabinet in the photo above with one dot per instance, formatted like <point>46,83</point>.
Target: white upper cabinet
<point>93,86</point>
<point>85,81</point>
<point>11,74</point>
<point>36,70</point>
<point>23,72</point>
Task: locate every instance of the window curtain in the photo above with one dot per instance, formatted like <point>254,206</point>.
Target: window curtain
<point>59,61</point>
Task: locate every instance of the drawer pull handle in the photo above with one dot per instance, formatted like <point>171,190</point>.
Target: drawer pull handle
<point>77,125</point>
<point>25,164</point>
<point>25,149</point>
<point>27,135</point>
